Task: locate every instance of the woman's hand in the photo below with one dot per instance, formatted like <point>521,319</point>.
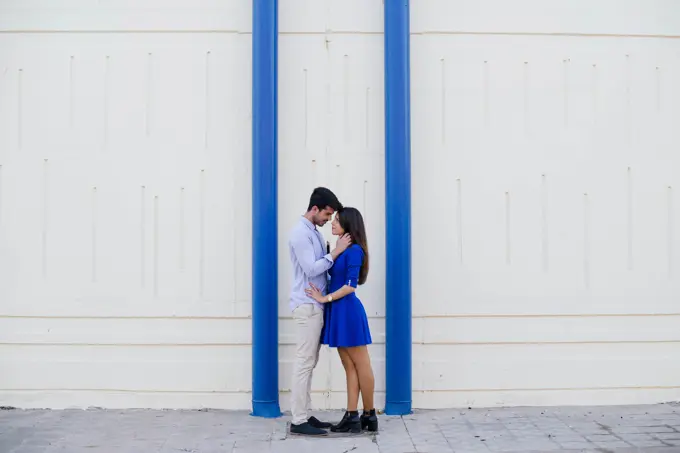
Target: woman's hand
<point>315,294</point>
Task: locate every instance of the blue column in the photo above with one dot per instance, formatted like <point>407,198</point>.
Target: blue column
<point>398,207</point>
<point>265,256</point>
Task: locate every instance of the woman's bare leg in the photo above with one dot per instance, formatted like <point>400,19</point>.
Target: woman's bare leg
<point>362,363</point>
<point>352,379</point>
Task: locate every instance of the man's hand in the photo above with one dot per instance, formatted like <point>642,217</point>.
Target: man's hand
<point>344,242</point>
<point>340,246</point>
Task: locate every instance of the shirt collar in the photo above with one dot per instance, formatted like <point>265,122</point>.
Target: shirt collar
<point>307,223</point>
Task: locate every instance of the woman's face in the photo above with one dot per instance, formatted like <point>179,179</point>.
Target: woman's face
<point>336,229</point>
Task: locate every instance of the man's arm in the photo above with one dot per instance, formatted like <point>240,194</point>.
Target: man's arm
<point>303,248</point>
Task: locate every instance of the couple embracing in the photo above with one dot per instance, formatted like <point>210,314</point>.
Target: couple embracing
<point>327,311</point>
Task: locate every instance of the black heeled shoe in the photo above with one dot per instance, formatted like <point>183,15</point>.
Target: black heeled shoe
<point>350,423</point>
<point>369,420</point>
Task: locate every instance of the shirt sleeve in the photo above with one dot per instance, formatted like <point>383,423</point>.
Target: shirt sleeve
<point>355,256</point>
<point>303,248</point>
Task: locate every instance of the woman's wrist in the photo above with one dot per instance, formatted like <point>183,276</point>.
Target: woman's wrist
<point>327,298</point>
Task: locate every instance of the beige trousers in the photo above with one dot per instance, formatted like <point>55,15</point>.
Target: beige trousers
<point>308,323</point>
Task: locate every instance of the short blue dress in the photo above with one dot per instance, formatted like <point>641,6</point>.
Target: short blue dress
<point>345,324</point>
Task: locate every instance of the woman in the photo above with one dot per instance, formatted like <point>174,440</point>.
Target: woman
<point>345,322</point>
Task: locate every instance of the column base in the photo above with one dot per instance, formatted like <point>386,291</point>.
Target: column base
<point>266,409</point>
<point>398,408</point>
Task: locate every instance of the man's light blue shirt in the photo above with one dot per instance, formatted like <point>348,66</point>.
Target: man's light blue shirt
<point>310,262</point>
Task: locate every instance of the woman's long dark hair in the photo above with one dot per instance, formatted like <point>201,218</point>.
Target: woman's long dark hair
<point>353,223</point>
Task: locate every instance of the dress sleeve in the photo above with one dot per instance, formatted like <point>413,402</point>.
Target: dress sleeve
<point>355,256</point>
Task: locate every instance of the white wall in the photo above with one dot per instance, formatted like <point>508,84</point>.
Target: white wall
<point>112,297</point>
<point>125,204</point>
<point>544,246</point>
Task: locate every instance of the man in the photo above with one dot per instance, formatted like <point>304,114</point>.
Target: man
<point>310,265</point>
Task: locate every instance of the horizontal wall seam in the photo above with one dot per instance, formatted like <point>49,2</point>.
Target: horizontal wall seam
<point>452,316</point>
<point>422,391</point>
<point>342,32</point>
<point>185,31</point>
<point>500,343</point>
<point>433,343</point>
<point>551,389</point>
<point>29,31</point>
<point>548,34</point>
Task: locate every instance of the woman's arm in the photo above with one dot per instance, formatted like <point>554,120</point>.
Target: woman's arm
<point>354,260</point>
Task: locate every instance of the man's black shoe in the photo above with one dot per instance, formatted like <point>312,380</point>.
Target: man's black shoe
<point>305,429</point>
<point>315,422</point>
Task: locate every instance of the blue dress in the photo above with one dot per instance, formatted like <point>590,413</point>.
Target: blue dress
<point>345,323</point>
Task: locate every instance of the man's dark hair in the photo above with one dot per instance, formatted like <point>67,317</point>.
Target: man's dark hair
<point>322,197</point>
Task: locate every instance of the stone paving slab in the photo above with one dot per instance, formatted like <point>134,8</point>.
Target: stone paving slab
<point>618,429</point>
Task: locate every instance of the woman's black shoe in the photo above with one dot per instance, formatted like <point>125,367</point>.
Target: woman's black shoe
<point>369,420</point>
<point>350,423</point>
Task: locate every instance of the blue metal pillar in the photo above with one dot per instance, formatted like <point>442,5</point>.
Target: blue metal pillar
<point>265,256</point>
<point>398,207</point>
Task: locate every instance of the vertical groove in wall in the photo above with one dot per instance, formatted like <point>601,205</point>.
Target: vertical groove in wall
<point>627,112</point>
<point>629,216</point>
<point>142,236</point>
<point>182,230</point>
<point>20,114</point>
<point>459,218</point>
<point>329,112</point>
<point>105,122</point>
<point>367,132</point>
<point>486,95</point>
<point>305,100</point>
<point>346,94</point>
<point>201,235</point>
<point>149,94</point>
<point>508,233</point>
<point>235,258</point>
<point>364,202</point>
<point>586,240</point>
<point>156,242</point>
<point>594,94</point>
<point>566,91</point>
<point>315,172</point>
<point>670,244</point>
<point>206,101</point>
<point>545,237</point>
<point>45,210</point>
<point>71,91</point>
<point>443,99</point>
<point>93,236</point>
<point>658,89</point>
<point>525,82</point>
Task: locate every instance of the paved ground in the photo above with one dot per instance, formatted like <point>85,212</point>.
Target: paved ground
<point>527,430</point>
